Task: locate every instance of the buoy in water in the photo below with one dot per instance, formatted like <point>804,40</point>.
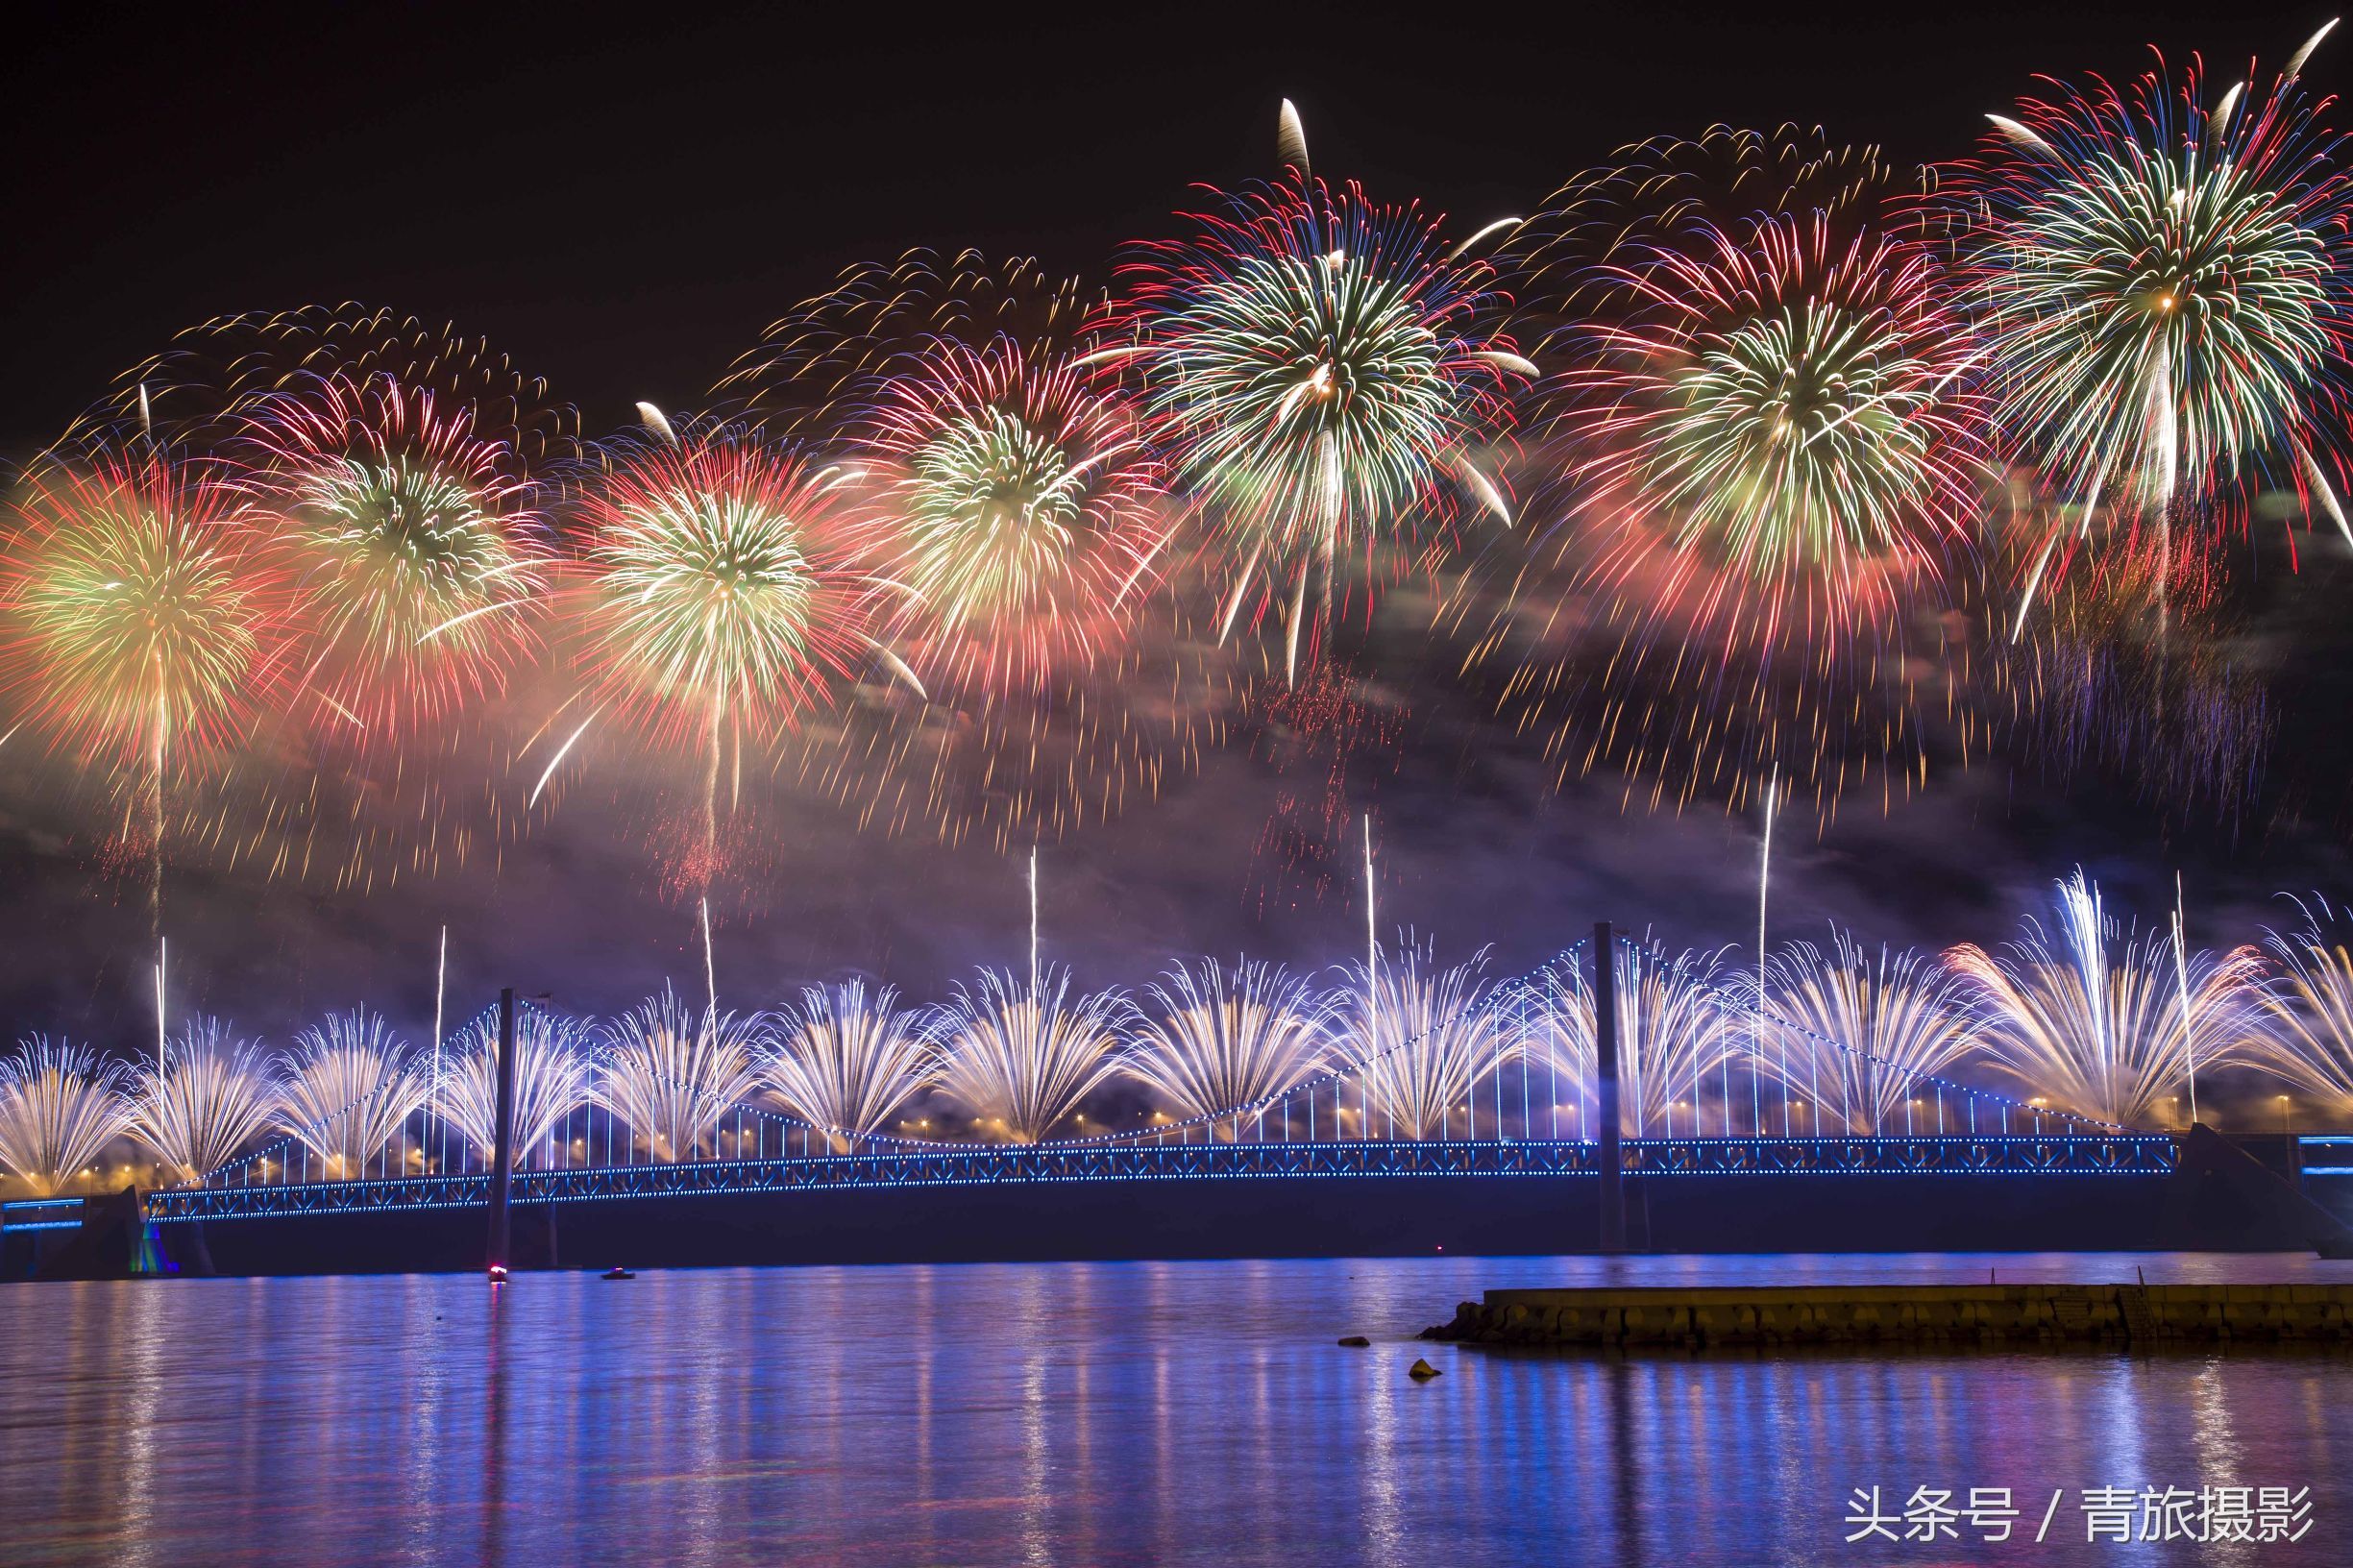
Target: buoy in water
<point>1421,1371</point>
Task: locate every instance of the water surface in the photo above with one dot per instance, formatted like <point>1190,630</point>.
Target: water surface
<point>1082,1413</point>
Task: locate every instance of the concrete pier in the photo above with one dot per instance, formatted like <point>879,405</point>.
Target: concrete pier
<point>2141,1316</point>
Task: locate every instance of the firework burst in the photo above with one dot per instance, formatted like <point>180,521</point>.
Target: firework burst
<point>1765,450</point>
<point>212,1092</point>
<point>1872,1026</point>
<point>140,633</point>
<point>1027,512</point>
<point>553,1063</point>
<point>846,1059</point>
<point>1318,368</point>
<point>2107,1023</point>
<point>350,1086</point>
<point>60,1105</point>
<point>138,622</point>
<point>2164,279</point>
<point>1019,504</point>
<point>1022,1054</point>
<point>671,1071</point>
<point>410,539</point>
<point>1216,1035</point>
<point>2309,1004</point>
<point>726,596</point>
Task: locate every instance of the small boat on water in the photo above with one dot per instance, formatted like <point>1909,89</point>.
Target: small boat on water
<point>617,1273</point>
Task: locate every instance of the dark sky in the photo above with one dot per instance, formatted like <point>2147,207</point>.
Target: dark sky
<point>621,196</point>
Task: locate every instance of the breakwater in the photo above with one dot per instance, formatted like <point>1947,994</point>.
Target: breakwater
<point>2139,1316</point>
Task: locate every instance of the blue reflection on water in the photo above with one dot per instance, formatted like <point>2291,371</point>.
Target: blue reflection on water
<point>1182,1412</point>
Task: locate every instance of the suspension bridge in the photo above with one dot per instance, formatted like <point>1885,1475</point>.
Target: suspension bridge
<point>1549,1114</point>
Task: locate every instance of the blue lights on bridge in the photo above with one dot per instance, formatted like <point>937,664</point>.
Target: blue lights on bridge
<point>1021,1165</point>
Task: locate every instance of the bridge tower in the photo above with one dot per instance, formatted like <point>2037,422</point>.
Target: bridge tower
<point>502,1141</point>
<point>1606,1088</point>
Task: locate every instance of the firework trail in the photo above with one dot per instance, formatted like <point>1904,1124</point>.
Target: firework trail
<point>411,541</point>
<point>726,594</point>
<point>349,1086</point>
<point>2165,287</point>
<point>1320,371</point>
<point>1021,1053</point>
<point>1416,1040</point>
<point>2308,1005</point>
<point>210,1095</point>
<point>2072,678</point>
<point>138,628</point>
<point>1765,451</point>
<point>846,1059</point>
<point>2105,1022</point>
<point>1895,1019</point>
<point>1216,1036</point>
<point>552,1079</point>
<point>671,1071</point>
<point>60,1105</point>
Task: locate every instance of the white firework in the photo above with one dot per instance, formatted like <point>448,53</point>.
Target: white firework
<point>212,1093</point>
<point>846,1059</point>
<point>1217,1036</point>
<point>60,1105</point>
<point>672,1071</point>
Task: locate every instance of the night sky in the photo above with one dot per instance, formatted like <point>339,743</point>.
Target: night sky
<point>621,197</point>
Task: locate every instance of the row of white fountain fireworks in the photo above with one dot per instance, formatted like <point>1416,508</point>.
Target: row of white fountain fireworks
<point>2084,1018</point>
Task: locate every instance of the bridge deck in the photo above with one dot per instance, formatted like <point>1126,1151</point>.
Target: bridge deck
<point>993,1165</point>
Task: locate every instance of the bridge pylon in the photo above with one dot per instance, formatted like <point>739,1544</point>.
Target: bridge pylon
<point>502,1141</point>
<point>1611,1166</point>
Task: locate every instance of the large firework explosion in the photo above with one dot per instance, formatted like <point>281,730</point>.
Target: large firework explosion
<point>1323,374</point>
<point>2164,279</point>
<point>1764,452</point>
<point>1019,505</point>
<point>321,782</point>
<point>728,591</point>
<point>415,560</point>
<point>962,559</point>
<point>138,630</point>
<point>1026,512</point>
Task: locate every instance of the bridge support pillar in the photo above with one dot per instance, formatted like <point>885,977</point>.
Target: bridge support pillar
<point>1606,1088</point>
<point>502,1141</point>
